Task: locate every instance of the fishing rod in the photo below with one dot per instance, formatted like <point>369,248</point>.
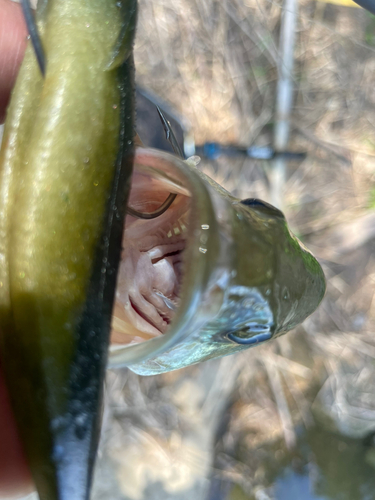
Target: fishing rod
<point>368,5</point>
<point>214,150</point>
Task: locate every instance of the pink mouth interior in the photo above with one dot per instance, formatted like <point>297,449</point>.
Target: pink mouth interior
<point>151,268</point>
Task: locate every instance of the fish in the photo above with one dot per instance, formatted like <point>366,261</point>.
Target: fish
<point>212,276</point>
<point>65,167</point>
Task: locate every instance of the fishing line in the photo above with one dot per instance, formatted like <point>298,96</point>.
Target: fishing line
<point>32,28</point>
<point>169,134</point>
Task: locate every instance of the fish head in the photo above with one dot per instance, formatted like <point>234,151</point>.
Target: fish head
<point>288,275</point>
<point>212,276</point>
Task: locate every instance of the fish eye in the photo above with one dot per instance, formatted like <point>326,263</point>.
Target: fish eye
<point>263,207</point>
<point>251,335</point>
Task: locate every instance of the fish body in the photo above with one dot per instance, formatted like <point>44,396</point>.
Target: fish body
<point>65,166</point>
<point>246,278</point>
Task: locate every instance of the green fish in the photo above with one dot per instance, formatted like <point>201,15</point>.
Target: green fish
<point>65,169</point>
<point>211,276</point>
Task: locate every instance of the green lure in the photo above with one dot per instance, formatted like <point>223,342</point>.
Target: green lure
<point>65,168</point>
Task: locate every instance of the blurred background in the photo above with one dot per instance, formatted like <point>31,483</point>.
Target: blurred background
<point>294,419</point>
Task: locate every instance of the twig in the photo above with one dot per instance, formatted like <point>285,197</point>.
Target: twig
<point>340,153</point>
<point>268,51</point>
<point>291,366</point>
<point>282,404</point>
<point>284,98</point>
<point>303,405</point>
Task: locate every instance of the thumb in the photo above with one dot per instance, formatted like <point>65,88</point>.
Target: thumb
<point>14,473</point>
<point>13,38</point>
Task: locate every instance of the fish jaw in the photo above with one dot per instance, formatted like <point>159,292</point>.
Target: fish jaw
<point>246,277</point>
<point>66,161</point>
<point>202,227</point>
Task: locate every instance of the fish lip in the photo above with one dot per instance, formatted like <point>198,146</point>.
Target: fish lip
<point>200,264</point>
<point>196,323</point>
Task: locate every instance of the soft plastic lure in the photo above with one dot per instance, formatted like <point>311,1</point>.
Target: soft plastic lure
<point>65,168</point>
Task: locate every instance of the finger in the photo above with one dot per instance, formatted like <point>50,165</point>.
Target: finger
<point>13,38</point>
<point>14,474</point>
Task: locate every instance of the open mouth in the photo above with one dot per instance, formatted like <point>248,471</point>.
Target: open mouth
<point>152,261</point>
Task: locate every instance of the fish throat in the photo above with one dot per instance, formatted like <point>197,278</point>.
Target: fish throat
<point>152,263</point>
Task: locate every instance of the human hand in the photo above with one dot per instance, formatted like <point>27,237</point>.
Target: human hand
<point>13,37</point>
<point>14,474</point>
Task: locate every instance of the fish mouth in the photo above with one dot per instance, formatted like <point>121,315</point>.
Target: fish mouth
<point>170,280</point>
<point>152,262</point>
<point>208,277</point>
